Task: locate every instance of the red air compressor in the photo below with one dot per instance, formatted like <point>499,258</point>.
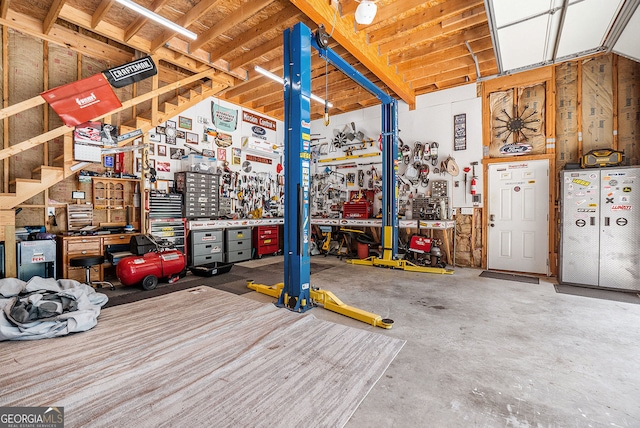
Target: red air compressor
<point>151,264</point>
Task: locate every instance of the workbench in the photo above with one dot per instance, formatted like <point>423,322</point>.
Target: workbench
<point>448,227</point>
<point>376,224</point>
<point>88,245</point>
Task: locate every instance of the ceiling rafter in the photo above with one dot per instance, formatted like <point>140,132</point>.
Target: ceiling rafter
<point>101,12</point>
<point>270,23</point>
<point>430,33</point>
<point>50,19</point>
<point>139,22</point>
<point>185,21</point>
<point>427,17</point>
<point>236,17</point>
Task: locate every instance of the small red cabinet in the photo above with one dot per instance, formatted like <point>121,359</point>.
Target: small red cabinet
<point>266,240</point>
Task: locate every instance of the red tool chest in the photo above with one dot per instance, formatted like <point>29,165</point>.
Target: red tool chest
<point>266,239</point>
<point>356,210</point>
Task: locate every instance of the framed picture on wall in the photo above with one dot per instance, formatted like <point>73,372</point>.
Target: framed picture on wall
<point>162,150</point>
<point>192,138</point>
<point>185,122</point>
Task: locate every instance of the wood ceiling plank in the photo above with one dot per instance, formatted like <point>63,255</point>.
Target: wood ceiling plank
<point>445,54</point>
<point>257,52</point>
<point>469,34</point>
<point>270,23</point>
<point>139,22</point>
<point>450,64</point>
<point>322,13</point>
<point>112,32</point>
<point>426,17</point>
<point>185,21</point>
<point>244,12</point>
<point>101,12</point>
<point>65,37</point>
<point>52,15</point>
<point>468,70</point>
<point>249,85</point>
<point>429,33</point>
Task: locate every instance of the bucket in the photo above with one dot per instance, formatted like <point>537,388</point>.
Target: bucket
<point>363,250</point>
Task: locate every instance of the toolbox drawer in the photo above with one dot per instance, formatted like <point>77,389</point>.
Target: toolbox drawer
<point>237,234</point>
<point>238,256</point>
<point>244,244</point>
<point>116,239</point>
<point>206,249</point>
<point>202,260</point>
<point>269,249</point>
<point>206,236</point>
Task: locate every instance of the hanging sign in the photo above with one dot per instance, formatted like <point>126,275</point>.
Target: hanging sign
<point>78,102</point>
<point>225,119</point>
<point>131,72</point>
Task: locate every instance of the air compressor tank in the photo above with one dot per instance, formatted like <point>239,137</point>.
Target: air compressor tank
<point>148,268</point>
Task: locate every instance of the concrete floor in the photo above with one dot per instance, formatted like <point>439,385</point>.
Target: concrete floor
<point>490,353</point>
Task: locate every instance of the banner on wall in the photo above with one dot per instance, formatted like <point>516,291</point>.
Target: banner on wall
<point>225,119</point>
<point>131,72</point>
<point>78,102</point>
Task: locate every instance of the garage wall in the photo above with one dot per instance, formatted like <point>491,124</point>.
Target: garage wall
<point>431,121</point>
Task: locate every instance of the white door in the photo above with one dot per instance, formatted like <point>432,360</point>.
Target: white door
<point>518,232</point>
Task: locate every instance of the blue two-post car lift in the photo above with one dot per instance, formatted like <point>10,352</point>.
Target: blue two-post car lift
<point>296,292</point>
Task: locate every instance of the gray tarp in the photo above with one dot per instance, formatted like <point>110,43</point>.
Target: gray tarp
<point>45,307</point>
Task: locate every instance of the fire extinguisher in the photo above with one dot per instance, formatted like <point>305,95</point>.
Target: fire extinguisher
<point>474,179</point>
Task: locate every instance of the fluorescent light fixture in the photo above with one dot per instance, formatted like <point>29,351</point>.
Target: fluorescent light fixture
<point>365,12</point>
<point>157,18</point>
<point>280,80</point>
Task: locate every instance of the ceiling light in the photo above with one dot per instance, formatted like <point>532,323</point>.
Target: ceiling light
<point>365,12</point>
<point>157,18</point>
<point>280,80</point>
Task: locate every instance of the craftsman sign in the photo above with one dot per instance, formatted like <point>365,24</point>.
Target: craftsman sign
<point>254,119</point>
<point>131,72</point>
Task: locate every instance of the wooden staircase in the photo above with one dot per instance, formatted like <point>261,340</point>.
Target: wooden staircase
<point>145,121</point>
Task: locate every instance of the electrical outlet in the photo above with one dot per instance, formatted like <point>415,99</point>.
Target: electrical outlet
<point>51,211</point>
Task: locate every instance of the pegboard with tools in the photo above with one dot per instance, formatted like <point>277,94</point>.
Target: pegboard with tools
<point>253,195</point>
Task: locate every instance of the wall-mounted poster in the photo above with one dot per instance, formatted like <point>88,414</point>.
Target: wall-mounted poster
<point>185,122</point>
<point>152,149</point>
<point>460,132</point>
<point>222,154</point>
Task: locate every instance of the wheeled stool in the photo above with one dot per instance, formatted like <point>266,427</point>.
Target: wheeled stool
<point>87,262</point>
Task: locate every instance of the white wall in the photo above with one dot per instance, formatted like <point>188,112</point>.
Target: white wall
<point>432,120</point>
<point>203,111</point>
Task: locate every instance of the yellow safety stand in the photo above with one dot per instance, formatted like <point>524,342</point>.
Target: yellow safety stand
<point>387,260</point>
<point>327,300</point>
